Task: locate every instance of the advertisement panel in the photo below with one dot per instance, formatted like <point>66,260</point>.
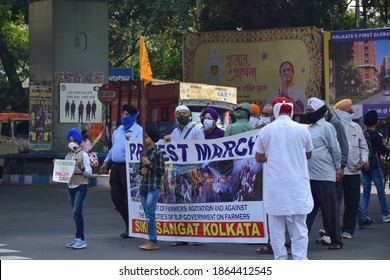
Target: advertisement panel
<point>79,103</point>
<point>252,61</point>
<point>40,118</point>
<point>357,66</point>
<point>209,205</point>
<point>190,91</point>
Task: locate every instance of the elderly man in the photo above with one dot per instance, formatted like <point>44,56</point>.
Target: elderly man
<point>284,146</point>
<point>117,156</point>
<point>325,161</point>
<point>357,159</point>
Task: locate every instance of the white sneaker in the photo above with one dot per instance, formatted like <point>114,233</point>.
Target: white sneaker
<point>347,235</point>
<point>386,219</point>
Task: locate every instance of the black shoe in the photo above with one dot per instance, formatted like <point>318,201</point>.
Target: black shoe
<point>125,234</point>
<point>335,246</point>
<point>366,223</point>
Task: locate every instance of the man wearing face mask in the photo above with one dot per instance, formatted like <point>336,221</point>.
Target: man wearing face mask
<point>117,156</point>
<point>77,186</point>
<point>357,159</point>
<point>184,173</point>
<point>242,114</point>
<point>254,118</point>
<point>209,119</point>
<point>266,115</point>
<point>325,161</point>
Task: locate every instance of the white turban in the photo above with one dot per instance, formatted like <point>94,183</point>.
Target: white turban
<point>182,107</point>
<point>315,103</point>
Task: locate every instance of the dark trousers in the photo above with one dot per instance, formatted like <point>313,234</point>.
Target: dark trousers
<point>351,189</point>
<point>325,197</point>
<point>118,183</point>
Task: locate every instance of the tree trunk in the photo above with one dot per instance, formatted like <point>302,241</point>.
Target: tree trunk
<point>9,67</point>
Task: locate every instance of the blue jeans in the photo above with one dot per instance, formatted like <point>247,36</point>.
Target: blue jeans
<point>77,198</point>
<point>375,175</point>
<point>149,201</point>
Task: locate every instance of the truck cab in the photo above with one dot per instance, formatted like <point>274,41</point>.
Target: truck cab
<point>14,131</point>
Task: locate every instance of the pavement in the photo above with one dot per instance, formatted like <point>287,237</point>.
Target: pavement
<point>36,223</point>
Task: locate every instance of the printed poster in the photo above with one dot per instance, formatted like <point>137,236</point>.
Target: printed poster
<point>79,103</point>
<point>40,118</point>
<point>63,170</point>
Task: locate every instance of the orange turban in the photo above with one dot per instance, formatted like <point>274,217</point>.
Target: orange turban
<point>343,105</point>
<point>256,109</point>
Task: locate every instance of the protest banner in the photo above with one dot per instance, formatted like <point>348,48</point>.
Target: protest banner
<point>63,170</point>
<point>209,205</point>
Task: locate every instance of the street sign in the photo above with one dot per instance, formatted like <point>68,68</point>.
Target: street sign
<point>106,94</point>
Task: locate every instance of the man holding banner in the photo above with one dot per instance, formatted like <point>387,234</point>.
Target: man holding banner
<point>284,146</point>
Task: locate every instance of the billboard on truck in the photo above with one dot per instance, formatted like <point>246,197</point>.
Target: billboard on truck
<point>261,64</point>
<point>357,66</point>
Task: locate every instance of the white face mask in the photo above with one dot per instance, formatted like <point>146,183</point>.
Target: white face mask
<point>72,146</point>
<point>253,121</point>
<point>265,120</point>
<point>208,124</point>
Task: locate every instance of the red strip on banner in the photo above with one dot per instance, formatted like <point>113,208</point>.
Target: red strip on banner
<point>203,229</point>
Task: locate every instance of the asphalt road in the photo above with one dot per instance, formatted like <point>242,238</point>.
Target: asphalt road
<point>36,222</point>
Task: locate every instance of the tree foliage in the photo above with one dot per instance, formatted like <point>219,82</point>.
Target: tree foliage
<point>14,58</point>
<point>163,23</point>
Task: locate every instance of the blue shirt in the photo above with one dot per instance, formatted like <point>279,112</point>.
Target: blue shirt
<point>326,155</point>
<point>117,152</point>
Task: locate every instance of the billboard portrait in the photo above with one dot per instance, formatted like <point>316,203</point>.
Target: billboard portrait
<point>79,103</point>
<point>253,60</point>
<point>220,202</point>
<point>357,65</point>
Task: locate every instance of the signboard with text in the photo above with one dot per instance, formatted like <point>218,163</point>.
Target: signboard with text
<point>79,103</point>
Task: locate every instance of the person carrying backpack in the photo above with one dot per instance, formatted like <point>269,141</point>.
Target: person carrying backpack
<point>373,172</point>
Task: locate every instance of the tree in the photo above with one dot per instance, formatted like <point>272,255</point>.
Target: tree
<point>14,58</point>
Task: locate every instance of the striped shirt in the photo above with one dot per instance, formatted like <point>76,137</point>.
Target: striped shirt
<point>156,170</point>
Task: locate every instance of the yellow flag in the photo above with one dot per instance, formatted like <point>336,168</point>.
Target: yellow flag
<point>144,65</point>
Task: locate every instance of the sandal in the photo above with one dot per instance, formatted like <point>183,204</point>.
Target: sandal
<point>266,249</point>
<point>179,243</point>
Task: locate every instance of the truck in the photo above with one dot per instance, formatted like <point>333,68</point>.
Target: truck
<point>162,98</point>
<point>13,135</point>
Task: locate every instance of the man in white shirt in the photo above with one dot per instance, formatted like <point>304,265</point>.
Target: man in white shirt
<point>284,146</point>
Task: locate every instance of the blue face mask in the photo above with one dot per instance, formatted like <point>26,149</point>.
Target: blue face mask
<point>127,122</point>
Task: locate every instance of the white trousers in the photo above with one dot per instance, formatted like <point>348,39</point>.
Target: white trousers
<point>297,229</point>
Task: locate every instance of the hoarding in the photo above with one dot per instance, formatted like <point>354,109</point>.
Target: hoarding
<point>357,66</point>
<point>252,62</point>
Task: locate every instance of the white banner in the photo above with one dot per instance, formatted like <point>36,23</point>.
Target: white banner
<point>220,202</point>
<point>194,151</point>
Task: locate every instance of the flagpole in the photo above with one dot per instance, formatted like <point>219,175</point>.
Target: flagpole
<point>145,75</point>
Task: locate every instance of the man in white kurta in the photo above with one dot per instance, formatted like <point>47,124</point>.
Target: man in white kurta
<point>284,146</point>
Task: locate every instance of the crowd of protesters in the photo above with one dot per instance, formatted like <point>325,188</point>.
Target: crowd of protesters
<point>310,168</point>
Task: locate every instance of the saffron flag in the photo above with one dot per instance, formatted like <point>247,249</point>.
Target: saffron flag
<point>144,65</point>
